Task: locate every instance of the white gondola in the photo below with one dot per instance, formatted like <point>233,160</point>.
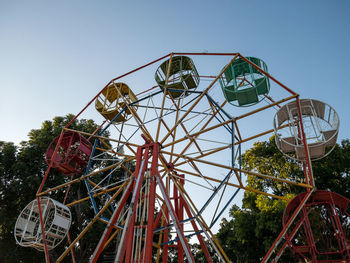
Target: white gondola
<point>57,220</point>
<point>321,126</point>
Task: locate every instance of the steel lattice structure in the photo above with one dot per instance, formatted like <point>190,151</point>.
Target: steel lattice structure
<point>178,145</point>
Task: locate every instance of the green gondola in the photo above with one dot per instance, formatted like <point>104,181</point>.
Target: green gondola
<point>243,84</point>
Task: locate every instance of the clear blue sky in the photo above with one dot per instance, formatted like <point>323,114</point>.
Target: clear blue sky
<point>56,55</point>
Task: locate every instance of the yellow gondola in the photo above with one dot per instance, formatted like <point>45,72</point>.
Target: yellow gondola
<point>113,101</point>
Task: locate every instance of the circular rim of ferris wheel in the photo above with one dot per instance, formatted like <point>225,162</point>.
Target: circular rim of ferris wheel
<point>168,137</point>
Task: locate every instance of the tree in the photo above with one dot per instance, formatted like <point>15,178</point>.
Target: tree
<point>22,169</point>
<point>252,229</point>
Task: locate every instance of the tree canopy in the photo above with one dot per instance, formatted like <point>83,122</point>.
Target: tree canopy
<point>22,169</point>
<point>245,236</point>
<point>250,231</point>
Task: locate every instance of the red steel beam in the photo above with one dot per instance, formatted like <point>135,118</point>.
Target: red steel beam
<point>308,161</point>
<point>110,225</point>
<point>151,206</point>
<point>268,75</point>
<point>200,238</point>
<point>47,257</point>
<point>286,227</point>
<point>204,54</point>
<point>121,76</point>
<point>178,206</point>
<point>129,236</point>
<point>176,222</point>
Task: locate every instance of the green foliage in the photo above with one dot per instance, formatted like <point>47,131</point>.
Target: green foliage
<point>198,253</point>
<point>333,171</point>
<point>245,237</point>
<point>22,169</point>
<point>265,158</point>
<point>252,229</point>
<point>14,195</point>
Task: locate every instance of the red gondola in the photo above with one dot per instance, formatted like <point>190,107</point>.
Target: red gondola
<point>72,155</point>
<point>320,232</point>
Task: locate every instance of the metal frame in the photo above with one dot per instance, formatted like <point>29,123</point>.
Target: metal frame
<point>164,162</point>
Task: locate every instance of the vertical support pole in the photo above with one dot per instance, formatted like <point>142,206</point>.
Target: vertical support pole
<point>176,222</point>
<point>166,231</point>
<point>151,204</point>
<point>159,243</point>
<point>181,214</point>
<point>128,238</point>
<point>178,205</point>
<point>309,178</point>
<point>233,145</point>
<point>166,237</point>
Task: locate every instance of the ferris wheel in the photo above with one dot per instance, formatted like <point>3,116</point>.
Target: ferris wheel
<point>165,163</point>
